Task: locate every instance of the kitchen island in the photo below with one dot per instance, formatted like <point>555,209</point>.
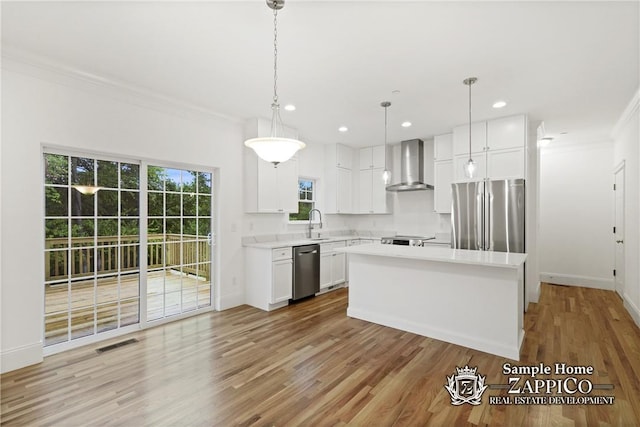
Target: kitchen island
<point>470,298</point>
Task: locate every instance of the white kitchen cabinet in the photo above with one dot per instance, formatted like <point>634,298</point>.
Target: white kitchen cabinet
<point>338,180</point>
<point>443,147</point>
<point>332,265</point>
<point>325,270</point>
<point>281,289</point>
<point>344,156</point>
<point>503,155</point>
<point>459,166</point>
<point>344,200</point>
<point>505,164</point>
<point>478,138</point>
<point>268,277</point>
<point>373,197</point>
<point>338,268</point>
<point>442,186</point>
<point>372,157</point>
<point>506,132</point>
<point>365,190</point>
<point>276,188</point>
<point>268,189</point>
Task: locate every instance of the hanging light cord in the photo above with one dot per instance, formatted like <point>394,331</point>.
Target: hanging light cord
<point>275,56</point>
<point>275,106</point>
<point>385,138</point>
<point>470,83</point>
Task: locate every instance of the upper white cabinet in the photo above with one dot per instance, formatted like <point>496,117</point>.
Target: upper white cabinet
<point>372,157</point>
<point>478,138</point>
<point>507,132</point>
<point>503,154</point>
<point>338,179</point>
<point>372,193</point>
<point>344,156</point>
<point>268,189</point>
<point>443,147</point>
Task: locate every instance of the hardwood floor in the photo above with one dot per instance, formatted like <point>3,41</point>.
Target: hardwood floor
<point>309,364</point>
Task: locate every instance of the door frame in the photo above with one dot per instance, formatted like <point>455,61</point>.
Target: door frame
<point>620,168</point>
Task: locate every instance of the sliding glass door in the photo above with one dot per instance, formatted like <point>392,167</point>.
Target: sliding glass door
<point>92,246</point>
<point>179,241</point>
<point>94,232</point>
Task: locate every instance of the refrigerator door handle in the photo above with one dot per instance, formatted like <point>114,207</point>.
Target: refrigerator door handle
<point>487,218</point>
<point>480,224</point>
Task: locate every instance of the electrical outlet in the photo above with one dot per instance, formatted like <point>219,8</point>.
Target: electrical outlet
<point>251,226</point>
<point>233,280</point>
<point>234,227</point>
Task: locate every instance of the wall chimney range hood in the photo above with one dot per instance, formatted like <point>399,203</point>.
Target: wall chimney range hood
<point>411,167</point>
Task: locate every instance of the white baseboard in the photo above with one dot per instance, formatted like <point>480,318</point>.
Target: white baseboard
<point>633,310</point>
<point>230,301</point>
<point>497,348</point>
<point>19,357</point>
<point>533,295</point>
<point>571,280</point>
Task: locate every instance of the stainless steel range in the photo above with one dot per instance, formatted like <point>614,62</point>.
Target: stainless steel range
<point>406,240</point>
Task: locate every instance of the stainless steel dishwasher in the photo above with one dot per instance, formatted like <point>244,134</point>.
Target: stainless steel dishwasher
<point>306,271</point>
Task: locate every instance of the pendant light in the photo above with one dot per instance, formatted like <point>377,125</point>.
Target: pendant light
<point>275,148</point>
<point>386,174</point>
<point>470,166</point>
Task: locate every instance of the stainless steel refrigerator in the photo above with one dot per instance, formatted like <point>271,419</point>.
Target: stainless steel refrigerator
<point>488,215</point>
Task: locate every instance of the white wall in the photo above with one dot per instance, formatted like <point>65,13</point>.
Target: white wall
<point>576,216</point>
<point>65,111</point>
<point>626,141</point>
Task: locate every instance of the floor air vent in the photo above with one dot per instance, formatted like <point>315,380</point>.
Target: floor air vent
<point>116,345</point>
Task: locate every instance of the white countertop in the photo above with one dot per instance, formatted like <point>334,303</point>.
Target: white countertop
<point>300,242</point>
<point>441,254</point>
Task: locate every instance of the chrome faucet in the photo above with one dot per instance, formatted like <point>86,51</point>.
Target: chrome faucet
<point>311,217</point>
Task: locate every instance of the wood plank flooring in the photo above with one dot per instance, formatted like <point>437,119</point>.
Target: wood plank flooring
<point>309,364</point>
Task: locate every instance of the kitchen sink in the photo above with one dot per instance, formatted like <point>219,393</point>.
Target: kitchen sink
<point>316,239</point>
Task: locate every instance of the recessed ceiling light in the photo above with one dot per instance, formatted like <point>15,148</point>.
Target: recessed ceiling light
<point>343,129</point>
<point>406,124</point>
<point>499,104</point>
<point>290,107</point>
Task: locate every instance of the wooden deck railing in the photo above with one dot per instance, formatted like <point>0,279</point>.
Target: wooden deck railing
<point>85,257</point>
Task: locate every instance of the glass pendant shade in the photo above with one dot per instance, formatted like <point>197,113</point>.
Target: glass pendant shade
<point>87,189</point>
<point>470,169</point>
<point>386,176</point>
<point>275,149</point>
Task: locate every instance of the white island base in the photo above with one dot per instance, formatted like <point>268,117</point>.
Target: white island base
<point>469,298</point>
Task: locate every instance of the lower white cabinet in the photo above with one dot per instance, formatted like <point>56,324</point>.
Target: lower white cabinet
<point>268,277</point>
<point>332,265</point>
<point>282,281</point>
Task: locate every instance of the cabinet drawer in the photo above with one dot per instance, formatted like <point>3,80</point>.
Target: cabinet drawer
<point>341,244</point>
<point>281,253</point>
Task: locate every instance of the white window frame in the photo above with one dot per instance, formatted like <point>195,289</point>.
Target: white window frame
<point>314,201</point>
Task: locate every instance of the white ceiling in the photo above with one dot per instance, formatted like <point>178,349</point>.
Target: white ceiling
<point>574,65</point>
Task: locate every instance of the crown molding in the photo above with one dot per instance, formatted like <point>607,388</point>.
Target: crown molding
<point>27,63</point>
<point>632,108</point>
